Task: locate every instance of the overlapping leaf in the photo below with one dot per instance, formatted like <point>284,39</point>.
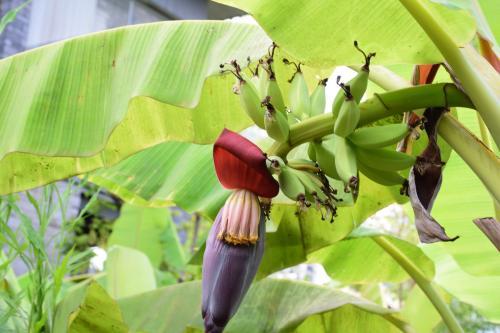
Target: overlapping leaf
<point>270,306</point>
<point>320,33</point>
<point>144,229</point>
<point>358,259</point>
<point>77,105</point>
<point>479,291</point>
<point>128,272</point>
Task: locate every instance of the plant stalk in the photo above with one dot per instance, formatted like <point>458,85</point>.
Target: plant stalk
<point>474,152</point>
<point>378,107</point>
<point>418,276</point>
<point>475,85</point>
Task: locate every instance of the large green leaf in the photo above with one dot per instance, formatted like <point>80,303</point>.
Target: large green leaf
<point>320,33</point>
<point>169,309</point>
<point>170,172</point>
<point>128,272</point>
<point>479,291</point>
<point>348,318</point>
<point>98,313</point>
<point>149,230</point>
<point>104,96</point>
<point>358,259</point>
<point>270,306</point>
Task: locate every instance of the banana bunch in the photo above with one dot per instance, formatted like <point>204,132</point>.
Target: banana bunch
<point>364,150</point>
<point>302,180</point>
<point>261,97</point>
<point>350,149</point>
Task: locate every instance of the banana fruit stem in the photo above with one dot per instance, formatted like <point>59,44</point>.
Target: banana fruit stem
<point>424,284</point>
<point>378,107</point>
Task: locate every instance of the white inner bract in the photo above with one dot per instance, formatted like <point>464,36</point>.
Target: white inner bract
<point>240,218</point>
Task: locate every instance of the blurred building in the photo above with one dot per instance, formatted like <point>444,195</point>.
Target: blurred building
<point>46,21</point>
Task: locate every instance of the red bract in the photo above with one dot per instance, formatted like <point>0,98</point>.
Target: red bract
<point>240,164</point>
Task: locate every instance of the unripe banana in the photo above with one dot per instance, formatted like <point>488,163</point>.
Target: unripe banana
<point>318,100</point>
<point>345,162</point>
<point>379,136</point>
<point>386,178</point>
<point>276,124</point>
<point>384,159</point>
<point>326,158</point>
<point>262,82</point>
<point>299,102</point>
<point>311,152</point>
<point>304,165</point>
<point>358,84</point>
<point>290,184</point>
<point>250,102</point>
<point>312,185</point>
<point>348,117</point>
<point>249,97</point>
<point>273,90</point>
<point>337,102</point>
<point>254,80</point>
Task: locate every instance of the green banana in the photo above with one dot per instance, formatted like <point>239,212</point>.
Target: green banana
<point>348,117</point>
<point>387,178</point>
<point>249,97</point>
<point>384,159</point>
<point>262,81</point>
<point>304,165</point>
<point>311,152</point>
<point>318,100</point>
<point>299,102</point>
<point>276,124</point>
<point>250,102</point>
<point>319,191</point>
<point>358,83</point>
<point>274,91</point>
<point>290,184</point>
<point>379,136</point>
<point>312,185</point>
<point>338,101</point>
<point>326,158</point>
<point>345,162</point>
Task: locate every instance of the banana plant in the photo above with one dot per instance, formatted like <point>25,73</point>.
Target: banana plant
<point>151,113</point>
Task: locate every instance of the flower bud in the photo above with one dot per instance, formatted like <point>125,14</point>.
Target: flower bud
<point>229,265</point>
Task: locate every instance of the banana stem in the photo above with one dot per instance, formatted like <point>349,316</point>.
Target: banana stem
<point>482,95</point>
<point>378,107</point>
<point>485,136</point>
<point>478,156</point>
<point>424,284</point>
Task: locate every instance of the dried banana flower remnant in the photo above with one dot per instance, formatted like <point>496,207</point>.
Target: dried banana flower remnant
<point>235,243</point>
